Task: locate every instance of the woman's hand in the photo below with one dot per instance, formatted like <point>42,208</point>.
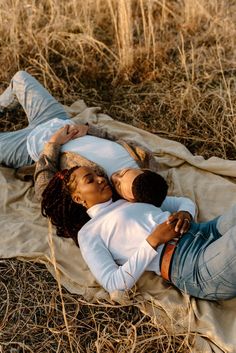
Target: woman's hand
<point>182,220</point>
<point>163,233</point>
<point>67,133</point>
<point>79,130</point>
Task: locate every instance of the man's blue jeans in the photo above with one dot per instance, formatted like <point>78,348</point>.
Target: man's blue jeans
<point>204,263</point>
<point>39,107</point>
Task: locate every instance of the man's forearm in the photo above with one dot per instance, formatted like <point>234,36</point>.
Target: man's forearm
<point>46,167</point>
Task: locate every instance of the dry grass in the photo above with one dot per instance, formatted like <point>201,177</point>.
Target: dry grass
<point>32,319</point>
<point>167,66</point>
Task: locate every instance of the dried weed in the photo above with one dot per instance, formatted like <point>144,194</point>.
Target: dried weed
<point>165,66</point>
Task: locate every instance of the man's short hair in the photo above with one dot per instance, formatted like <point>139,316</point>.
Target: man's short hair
<point>149,187</point>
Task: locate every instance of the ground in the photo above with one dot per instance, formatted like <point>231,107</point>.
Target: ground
<point>164,66</point>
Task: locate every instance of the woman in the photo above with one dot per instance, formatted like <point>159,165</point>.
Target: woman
<point>121,240</point>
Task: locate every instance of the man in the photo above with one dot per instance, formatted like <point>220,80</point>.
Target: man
<point>121,161</point>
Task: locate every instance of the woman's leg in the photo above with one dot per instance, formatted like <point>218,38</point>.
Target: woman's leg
<point>217,263</point>
<point>204,264</point>
<point>227,221</point>
<point>39,107</point>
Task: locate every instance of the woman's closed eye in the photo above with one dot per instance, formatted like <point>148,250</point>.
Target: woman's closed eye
<point>88,178</point>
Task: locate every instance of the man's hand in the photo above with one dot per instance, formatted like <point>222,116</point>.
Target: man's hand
<point>163,233</point>
<point>67,133</point>
<point>182,220</point>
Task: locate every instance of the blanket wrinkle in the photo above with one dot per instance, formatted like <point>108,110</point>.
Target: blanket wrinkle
<point>209,326</point>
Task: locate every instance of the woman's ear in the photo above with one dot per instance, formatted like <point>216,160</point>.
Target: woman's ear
<point>76,198</point>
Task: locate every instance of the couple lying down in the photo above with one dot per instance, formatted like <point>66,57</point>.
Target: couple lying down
<point>119,240</point>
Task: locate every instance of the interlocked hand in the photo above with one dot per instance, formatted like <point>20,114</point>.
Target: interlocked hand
<point>68,132</point>
<point>182,220</point>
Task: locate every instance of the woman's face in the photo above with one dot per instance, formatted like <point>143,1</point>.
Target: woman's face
<point>88,187</point>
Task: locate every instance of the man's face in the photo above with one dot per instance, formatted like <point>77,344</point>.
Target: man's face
<point>123,181</point>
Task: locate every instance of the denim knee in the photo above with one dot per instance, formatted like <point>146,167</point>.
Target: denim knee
<point>21,75</point>
<point>226,221</point>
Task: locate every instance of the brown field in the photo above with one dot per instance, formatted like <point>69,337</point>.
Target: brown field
<point>167,66</point>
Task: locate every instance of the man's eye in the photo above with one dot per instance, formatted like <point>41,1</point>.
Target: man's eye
<point>123,172</point>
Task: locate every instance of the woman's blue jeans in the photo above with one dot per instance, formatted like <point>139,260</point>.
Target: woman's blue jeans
<point>39,107</point>
<point>204,263</point>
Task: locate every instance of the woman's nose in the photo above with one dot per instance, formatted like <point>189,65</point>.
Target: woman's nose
<point>100,180</point>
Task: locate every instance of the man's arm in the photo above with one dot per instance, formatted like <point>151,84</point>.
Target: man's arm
<point>183,211</point>
<point>175,204</point>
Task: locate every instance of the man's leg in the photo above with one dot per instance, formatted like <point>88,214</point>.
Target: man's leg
<point>39,107</point>
<point>13,149</point>
<point>36,101</point>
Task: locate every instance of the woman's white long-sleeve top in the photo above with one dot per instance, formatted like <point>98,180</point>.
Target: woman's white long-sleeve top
<point>113,243</point>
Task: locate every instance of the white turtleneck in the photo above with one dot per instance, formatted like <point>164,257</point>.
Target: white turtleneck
<point>113,243</point>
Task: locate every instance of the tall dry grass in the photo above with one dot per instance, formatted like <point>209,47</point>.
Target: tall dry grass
<point>167,66</point>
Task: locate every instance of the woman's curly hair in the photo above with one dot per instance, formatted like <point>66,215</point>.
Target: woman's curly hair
<point>58,205</point>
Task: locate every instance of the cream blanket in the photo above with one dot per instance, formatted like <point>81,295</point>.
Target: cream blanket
<point>210,183</point>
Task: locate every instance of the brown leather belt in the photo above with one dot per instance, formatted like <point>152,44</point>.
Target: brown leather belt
<point>166,259</point>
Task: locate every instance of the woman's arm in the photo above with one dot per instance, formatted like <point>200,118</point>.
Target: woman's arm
<point>46,167</point>
<point>107,272</point>
<point>163,233</point>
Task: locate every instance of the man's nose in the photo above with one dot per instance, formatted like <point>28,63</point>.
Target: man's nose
<point>115,176</point>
